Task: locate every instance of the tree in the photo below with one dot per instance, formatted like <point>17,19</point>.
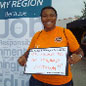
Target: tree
<point>83,12</point>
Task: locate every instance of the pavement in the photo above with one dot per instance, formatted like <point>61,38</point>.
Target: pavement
<point>79,73</point>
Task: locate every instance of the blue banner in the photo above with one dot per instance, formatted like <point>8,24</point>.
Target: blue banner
<point>22,8</point>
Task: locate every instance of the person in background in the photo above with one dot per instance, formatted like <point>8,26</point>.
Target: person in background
<point>53,36</point>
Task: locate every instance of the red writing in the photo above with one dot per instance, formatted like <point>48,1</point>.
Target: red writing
<point>51,60</point>
<point>45,67</point>
<point>34,59</point>
<point>59,54</point>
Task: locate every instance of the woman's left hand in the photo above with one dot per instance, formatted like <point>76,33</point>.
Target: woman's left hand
<point>74,58</point>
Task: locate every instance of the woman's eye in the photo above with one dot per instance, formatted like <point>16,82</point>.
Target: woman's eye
<point>44,16</point>
<point>52,15</point>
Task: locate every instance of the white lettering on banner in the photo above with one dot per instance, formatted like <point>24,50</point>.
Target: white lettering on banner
<point>4,4</point>
<point>27,3</point>
<point>14,13</point>
<point>19,3</point>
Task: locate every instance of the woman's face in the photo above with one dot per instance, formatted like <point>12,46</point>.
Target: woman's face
<point>48,19</point>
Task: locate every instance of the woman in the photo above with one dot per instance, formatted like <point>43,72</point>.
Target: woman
<point>53,36</point>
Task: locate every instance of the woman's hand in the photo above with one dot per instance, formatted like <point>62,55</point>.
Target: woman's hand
<point>74,58</point>
<point>22,60</point>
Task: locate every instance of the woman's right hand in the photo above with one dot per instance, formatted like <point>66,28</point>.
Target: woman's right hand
<point>22,60</point>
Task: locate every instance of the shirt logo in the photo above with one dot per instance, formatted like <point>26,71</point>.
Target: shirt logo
<point>58,39</point>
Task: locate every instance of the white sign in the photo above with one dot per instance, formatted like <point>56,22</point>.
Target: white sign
<point>47,61</point>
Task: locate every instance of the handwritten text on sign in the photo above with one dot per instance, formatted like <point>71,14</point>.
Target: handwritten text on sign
<point>47,61</point>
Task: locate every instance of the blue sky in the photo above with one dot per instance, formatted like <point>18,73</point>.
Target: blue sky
<point>68,8</point>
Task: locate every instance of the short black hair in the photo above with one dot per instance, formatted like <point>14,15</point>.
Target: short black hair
<point>48,7</point>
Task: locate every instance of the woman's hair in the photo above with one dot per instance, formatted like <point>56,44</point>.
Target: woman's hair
<point>48,7</point>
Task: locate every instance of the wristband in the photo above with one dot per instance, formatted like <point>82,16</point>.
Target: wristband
<point>80,55</point>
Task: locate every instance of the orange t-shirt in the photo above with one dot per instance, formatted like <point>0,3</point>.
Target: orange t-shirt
<point>54,38</point>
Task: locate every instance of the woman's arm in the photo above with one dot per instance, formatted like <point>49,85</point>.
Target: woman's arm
<point>76,56</point>
<point>22,59</point>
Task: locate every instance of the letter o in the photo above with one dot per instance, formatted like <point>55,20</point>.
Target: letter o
<point>12,28</point>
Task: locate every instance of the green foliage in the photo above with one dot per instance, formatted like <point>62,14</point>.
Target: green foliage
<point>83,12</point>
